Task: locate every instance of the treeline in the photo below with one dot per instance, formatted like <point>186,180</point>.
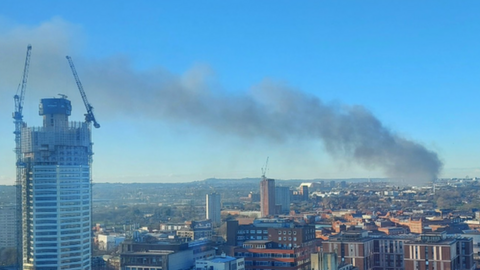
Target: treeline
<point>146,215</point>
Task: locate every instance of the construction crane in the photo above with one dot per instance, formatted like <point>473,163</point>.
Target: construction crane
<point>264,169</point>
<point>89,117</point>
<point>18,121</point>
<point>18,113</point>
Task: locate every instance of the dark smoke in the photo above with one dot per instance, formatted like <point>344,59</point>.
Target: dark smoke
<point>270,110</point>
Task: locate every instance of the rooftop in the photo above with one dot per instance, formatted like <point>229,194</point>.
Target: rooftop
<point>220,259</point>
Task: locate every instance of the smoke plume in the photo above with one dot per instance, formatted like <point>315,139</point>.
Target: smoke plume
<point>270,110</point>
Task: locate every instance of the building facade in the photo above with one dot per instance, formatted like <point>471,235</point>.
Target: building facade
<point>304,193</point>
<point>437,251</point>
<point>327,261</point>
<point>357,248</point>
<point>261,254</point>
<point>196,230</point>
<point>213,208</point>
<point>282,233</point>
<point>109,242</point>
<point>56,190</point>
<point>353,247</point>
<point>432,251</point>
<point>221,262</point>
<point>267,197</point>
<point>282,198</point>
<point>163,255</point>
<point>8,227</point>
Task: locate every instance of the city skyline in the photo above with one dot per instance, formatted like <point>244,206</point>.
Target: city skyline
<point>413,66</point>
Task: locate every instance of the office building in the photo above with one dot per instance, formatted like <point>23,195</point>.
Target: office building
<point>8,227</point>
<point>426,252</point>
<point>213,208</point>
<point>357,248</point>
<point>196,230</point>
<point>327,261</point>
<point>304,192</point>
<point>353,247</point>
<point>265,254</point>
<point>267,197</point>
<point>222,262</point>
<point>163,255</point>
<point>282,198</point>
<point>284,233</point>
<point>56,190</point>
<point>437,251</point>
<point>109,242</point>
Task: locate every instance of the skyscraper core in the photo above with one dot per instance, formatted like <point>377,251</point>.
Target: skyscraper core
<point>213,207</point>
<point>56,190</point>
<point>267,197</point>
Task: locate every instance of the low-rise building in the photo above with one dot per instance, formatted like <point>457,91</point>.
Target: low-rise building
<point>163,255</point>
<point>109,242</point>
<point>221,262</point>
<point>268,255</point>
<point>285,233</point>
<point>197,230</point>
<point>327,261</point>
<point>172,226</point>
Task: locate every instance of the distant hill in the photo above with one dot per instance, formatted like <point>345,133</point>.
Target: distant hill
<point>217,181</point>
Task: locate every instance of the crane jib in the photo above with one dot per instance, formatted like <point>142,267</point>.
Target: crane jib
<point>89,117</point>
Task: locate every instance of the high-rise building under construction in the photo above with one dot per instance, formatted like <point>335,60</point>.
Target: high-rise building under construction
<point>56,190</point>
<point>267,197</point>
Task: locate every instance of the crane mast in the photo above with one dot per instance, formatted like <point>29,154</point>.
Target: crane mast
<point>18,113</point>
<point>264,169</point>
<point>89,117</point>
<point>18,121</point>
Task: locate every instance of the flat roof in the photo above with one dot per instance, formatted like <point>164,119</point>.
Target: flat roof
<point>222,259</point>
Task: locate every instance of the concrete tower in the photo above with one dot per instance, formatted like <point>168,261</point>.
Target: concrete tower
<point>213,208</point>
<point>282,198</point>
<point>304,191</point>
<point>267,197</point>
<point>56,190</point>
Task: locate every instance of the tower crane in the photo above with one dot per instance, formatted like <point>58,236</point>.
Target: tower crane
<point>89,117</point>
<point>264,169</point>
<point>18,113</point>
<point>18,121</point>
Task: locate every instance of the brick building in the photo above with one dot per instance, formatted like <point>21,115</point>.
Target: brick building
<point>356,247</point>
<point>267,197</point>
<point>437,251</point>
<point>352,246</point>
<point>268,255</point>
<point>284,232</point>
<point>273,244</point>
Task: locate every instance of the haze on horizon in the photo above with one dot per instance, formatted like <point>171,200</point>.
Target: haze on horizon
<point>186,98</point>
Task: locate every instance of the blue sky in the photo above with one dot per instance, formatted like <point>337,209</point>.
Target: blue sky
<point>415,66</point>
